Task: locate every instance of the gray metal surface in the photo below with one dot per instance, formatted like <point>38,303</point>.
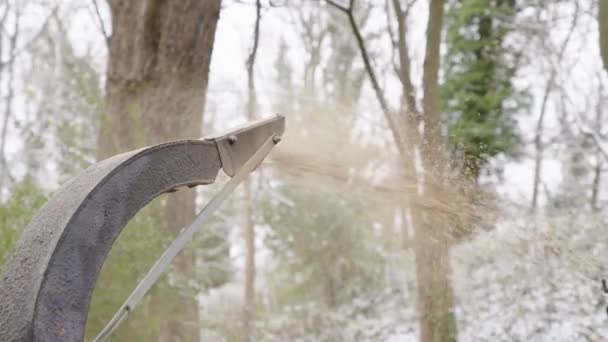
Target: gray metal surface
<point>47,283</point>
<point>240,143</point>
<point>183,238</point>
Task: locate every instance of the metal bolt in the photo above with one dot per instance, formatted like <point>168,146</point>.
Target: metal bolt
<point>232,139</point>
<point>276,139</point>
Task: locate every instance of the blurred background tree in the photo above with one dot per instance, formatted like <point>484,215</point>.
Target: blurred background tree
<point>603,25</point>
<point>480,66</point>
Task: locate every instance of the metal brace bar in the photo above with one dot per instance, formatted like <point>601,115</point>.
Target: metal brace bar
<point>184,236</point>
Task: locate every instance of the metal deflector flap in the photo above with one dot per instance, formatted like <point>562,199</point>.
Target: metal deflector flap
<point>238,145</point>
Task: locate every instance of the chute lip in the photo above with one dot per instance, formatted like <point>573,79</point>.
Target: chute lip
<point>238,145</point>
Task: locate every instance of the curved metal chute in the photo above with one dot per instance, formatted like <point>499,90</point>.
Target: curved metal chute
<point>47,284</point>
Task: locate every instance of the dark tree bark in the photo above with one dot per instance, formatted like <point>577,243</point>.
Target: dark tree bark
<point>432,144</point>
<point>432,239</point>
<point>157,75</point>
<point>603,26</point>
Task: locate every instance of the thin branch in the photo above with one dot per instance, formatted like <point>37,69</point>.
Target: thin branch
<point>256,39</point>
<point>391,120</point>
<point>600,144</point>
<point>313,41</point>
<point>17,51</point>
<point>391,34</point>
<point>340,7</point>
<point>4,16</point>
<point>597,172</point>
<point>405,62</point>
<point>539,146</point>
<point>102,27</point>
<point>2,20</point>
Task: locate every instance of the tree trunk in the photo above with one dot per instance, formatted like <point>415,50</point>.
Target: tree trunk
<point>157,73</point>
<point>597,171</point>
<point>435,298</point>
<point>432,144</point>
<point>437,321</point>
<point>249,224</point>
<point>249,290</point>
<point>538,146</point>
<point>603,27</point>
<point>8,109</point>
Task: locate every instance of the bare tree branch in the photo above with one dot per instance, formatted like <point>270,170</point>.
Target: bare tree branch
<point>102,27</point>
<point>340,7</point>
<point>391,35</point>
<point>313,41</point>
<point>538,143</point>
<point>254,49</point>
<point>409,92</point>
<point>388,113</point>
<point>389,27</point>
<point>18,50</point>
<point>585,130</point>
<point>597,170</point>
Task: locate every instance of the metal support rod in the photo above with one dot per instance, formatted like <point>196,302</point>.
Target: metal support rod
<point>183,237</point>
